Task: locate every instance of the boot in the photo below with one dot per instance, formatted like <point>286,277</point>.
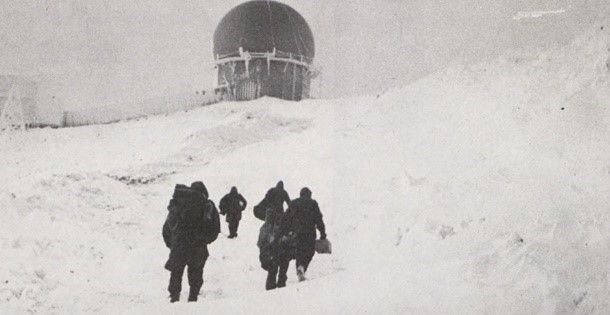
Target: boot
<point>270,284</point>
<point>193,296</point>
<point>281,280</point>
<point>301,273</point>
<point>174,297</point>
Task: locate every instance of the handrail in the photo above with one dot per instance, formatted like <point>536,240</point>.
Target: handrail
<point>246,56</point>
<point>289,60</point>
<point>274,53</point>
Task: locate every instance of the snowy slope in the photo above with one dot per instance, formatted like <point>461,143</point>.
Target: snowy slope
<point>475,190</point>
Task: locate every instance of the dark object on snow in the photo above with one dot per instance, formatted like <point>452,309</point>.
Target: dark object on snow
<point>231,205</point>
<point>299,225</point>
<point>271,254</point>
<point>264,48</point>
<point>191,224</point>
<point>324,246</point>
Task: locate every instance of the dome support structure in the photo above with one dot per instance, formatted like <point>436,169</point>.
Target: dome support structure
<point>263,48</point>
<point>295,66</point>
<point>275,55</point>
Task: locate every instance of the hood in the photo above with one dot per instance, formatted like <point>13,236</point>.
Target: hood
<point>200,187</point>
<point>305,193</point>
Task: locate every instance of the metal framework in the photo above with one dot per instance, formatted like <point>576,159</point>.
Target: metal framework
<point>275,55</point>
<point>289,59</point>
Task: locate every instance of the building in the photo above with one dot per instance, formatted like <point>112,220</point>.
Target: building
<point>263,48</point>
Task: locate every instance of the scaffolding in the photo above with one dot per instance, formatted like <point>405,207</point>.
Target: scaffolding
<point>235,79</point>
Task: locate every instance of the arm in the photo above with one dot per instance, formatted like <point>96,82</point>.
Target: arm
<point>167,233</point>
<point>286,199</point>
<point>215,224</point>
<point>242,202</point>
<point>286,222</point>
<point>222,205</point>
<point>319,221</point>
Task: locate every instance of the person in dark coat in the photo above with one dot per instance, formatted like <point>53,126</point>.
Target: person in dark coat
<point>231,205</point>
<point>299,224</point>
<point>192,223</point>
<point>271,256</point>
<point>276,197</point>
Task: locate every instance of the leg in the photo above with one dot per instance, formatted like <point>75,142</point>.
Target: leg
<point>308,256</point>
<point>281,278</point>
<point>233,228</point>
<point>175,283</point>
<point>271,274</point>
<point>305,253</point>
<point>195,275</point>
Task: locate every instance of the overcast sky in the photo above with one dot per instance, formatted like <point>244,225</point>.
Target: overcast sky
<point>97,52</point>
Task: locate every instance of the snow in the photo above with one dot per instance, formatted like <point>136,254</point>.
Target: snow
<point>477,190</point>
<point>535,14</point>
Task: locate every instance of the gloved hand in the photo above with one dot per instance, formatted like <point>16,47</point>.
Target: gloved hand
<point>323,236</point>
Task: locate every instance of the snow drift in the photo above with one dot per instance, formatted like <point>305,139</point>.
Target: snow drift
<point>476,190</point>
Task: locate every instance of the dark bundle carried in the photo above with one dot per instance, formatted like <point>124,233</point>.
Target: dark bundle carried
<point>260,209</point>
<point>324,246</point>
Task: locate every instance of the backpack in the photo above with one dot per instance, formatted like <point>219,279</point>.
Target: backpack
<point>195,219</point>
<point>224,205</point>
<point>268,244</point>
<point>211,222</point>
<point>260,210</point>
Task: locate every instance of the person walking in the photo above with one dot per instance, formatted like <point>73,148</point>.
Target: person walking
<point>277,196</point>
<point>299,225</point>
<point>272,257</point>
<point>232,205</point>
<point>191,224</point>
<point>274,199</point>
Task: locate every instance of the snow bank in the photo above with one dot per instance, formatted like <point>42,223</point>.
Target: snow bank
<point>519,185</point>
<point>476,190</point>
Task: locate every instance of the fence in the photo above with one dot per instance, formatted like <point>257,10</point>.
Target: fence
<point>132,110</point>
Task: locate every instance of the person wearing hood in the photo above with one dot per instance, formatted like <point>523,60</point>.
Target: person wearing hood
<point>299,224</point>
<point>232,205</point>
<point>276,197</point>
<point>191,224</point>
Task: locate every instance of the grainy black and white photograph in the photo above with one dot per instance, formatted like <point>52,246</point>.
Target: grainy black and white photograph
<point>305,157</point>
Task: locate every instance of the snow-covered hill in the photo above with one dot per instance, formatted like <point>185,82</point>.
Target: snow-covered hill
<point>480,190</point>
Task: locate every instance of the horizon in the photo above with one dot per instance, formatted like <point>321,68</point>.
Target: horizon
<point>100,53</point>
